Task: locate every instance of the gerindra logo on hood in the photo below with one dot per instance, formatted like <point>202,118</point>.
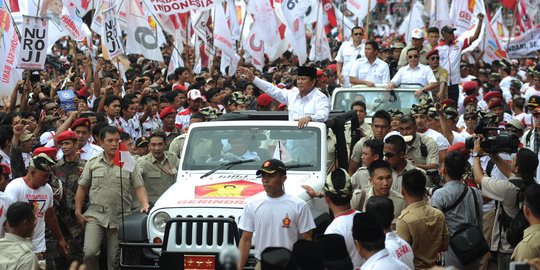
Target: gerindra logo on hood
<point>233,189</point>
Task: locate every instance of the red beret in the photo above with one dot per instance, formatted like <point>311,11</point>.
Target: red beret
<point>496,103</point>
<point>471,85</point>
<point>469,99</point>
<point>448,102</point>
<point>49,151</point>
<point>5,169</point>
<point>264,100</point>
<point>166,111</point>
<point>178,87</point>
<point>66,135</point>
<point>333,67</point>
<point>432,52</point>
<point>460,147</point>
<point>319,72</point>
<point>80,122</point>
<point>492,94</point>
<point>281,106</point>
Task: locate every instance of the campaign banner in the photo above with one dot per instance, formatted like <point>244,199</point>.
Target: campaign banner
<point>111,34</point>
<point>9,49</point>
<point>525,44</point>
<point>66,100</point>
<point>170,7</point>
<point>34,43</point>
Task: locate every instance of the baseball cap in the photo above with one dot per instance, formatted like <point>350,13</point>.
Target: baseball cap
<point>417,33</point>
<point>398,45</point>
<point>448,29</point>
<point>338,183</point>
<point>272,166</point>
<point>142,141</point>
<point>534,101</point>
<point>460,147</point>
<point>195,94</point>
<point>25,137</point>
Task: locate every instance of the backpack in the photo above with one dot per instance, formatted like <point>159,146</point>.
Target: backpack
<point>514,226</point>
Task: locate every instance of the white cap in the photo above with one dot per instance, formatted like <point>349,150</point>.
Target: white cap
<point>47,136</point>
<point>417,33</point>
<point>195,94</point>
<point>407,138</point>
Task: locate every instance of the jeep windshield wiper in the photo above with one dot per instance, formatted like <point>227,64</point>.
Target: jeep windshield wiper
<point>299,165</point>
<point>228,164</point>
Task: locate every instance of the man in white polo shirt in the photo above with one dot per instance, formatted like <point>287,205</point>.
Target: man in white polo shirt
<point>349,52</point>
<point>370,70</point>
<point>414,74</point>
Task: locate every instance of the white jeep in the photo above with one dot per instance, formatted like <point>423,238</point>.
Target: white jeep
<point>196,217</point>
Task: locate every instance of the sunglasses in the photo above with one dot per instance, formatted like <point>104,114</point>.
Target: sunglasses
<point>389,154</point>
<point>434,58</point>
<point>358,34</point>
<point>415,56</point>
<point>469,118</point>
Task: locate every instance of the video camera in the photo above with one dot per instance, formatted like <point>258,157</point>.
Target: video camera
<point>504,142</point>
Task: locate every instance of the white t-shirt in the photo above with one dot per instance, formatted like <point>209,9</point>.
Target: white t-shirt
<point>342,225</point>
<point>442,142</point>
<point>5,202</point>
<point>458,137</point>
<point>41,198</point>
<point>275,222</point>
<point>400,249</point>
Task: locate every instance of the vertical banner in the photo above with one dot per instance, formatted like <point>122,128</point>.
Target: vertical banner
<point>34,43</point>
<point>111,34</point>
<point>9,49</point>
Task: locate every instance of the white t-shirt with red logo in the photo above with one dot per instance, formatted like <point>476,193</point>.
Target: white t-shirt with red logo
<point>275,222</point>
<point>400,249</point>
<point>5,202</point>
<point>41,198</point>
<point>342,225</point>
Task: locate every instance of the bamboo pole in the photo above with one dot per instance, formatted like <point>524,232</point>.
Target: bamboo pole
<point>366,32</point>
<point>513,25</point>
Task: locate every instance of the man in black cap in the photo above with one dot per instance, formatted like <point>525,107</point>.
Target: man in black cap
<point>450,55</point>
<point>305,102</point>
<point>369,239</point>
<point>276,216</point>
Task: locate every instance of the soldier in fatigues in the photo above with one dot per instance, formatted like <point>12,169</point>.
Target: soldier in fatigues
<point>158,168</point>
<point>64,183</point>
<point>106,182</point>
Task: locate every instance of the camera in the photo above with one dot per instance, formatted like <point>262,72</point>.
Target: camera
<point>504,142</point>
<point>435,179</point>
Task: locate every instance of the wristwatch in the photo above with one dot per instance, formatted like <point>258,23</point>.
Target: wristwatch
<point>475,154</point>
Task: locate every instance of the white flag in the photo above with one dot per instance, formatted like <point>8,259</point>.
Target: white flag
<point>232,19</point>
<point>294,13</point>
<point>34,39</point>
<point>463,14</point>
<point>360,7</point>
<point>412,21</point>
<point>223,40</point>
<point>9,50</point>
<point>111,34</point>
<point>497,24</point>
<point>439,13</point>
<point>320,49</point>
<point>254,46</point>
<point>141,38</point>
<point>71,22</point>
<point>266,24</point>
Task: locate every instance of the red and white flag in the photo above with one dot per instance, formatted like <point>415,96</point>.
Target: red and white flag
<point>281,153</point>
<point>320,49</point>
<point>497,24</point>
<point>9,52</point>
<point>141,37</point>
<point>360,8</point>
<point>463,14</point>
<point>294,17</point>
<point>330,12</point>
<point>224,41</point>
<point>232,19</point>
<point>124,159</point>
<point>254,46</point>
<point>70,21</point>
<point>522,17</point>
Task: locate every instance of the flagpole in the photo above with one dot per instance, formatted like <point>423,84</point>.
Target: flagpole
<point>513,26</point>
<point>174,46</point>
<point>242,29</point>
<point>343,22</point>
<point>121,189</point>
<point>366,32</point>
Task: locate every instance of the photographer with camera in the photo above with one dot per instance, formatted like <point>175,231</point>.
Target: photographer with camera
<point>531,138</point>
<point>521,173</point>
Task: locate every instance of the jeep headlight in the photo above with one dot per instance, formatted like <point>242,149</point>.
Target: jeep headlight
<point>160,221</point>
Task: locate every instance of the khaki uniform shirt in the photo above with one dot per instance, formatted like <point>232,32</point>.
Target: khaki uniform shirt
<point>102,179</point>
<point>331,148</point>
<point>357,149</point>
<point>170,137</point>
<point>529,247</point>
<point>403,56</point>
<point>158,176</point>
<point>16,253</point>
<point>415,153</point>
<point>360,179</point>
<point>424,228</point>
<point>397,199</point>
<point>441,74</point>
<point>506,192</point>
<point>366,129</point>
<point>177,145</point>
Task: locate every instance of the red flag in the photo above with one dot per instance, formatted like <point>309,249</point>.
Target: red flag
<point>329,9</point>
<point>511,4</point>
<point>123,158</point>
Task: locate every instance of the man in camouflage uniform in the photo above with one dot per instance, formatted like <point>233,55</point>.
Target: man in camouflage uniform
<point>64,183</point>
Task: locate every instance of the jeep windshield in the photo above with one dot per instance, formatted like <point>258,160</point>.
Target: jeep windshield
<point>210,146</point>
<point>375,100</point>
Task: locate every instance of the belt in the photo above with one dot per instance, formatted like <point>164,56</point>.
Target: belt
<point>41,255</point>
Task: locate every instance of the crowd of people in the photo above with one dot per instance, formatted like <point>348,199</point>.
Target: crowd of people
<point>413,183</point>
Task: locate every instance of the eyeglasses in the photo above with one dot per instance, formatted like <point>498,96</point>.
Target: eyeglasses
<point>358,34</point>
<point>415,56</point>
<point>434,58</point>
<point>389,154</point>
